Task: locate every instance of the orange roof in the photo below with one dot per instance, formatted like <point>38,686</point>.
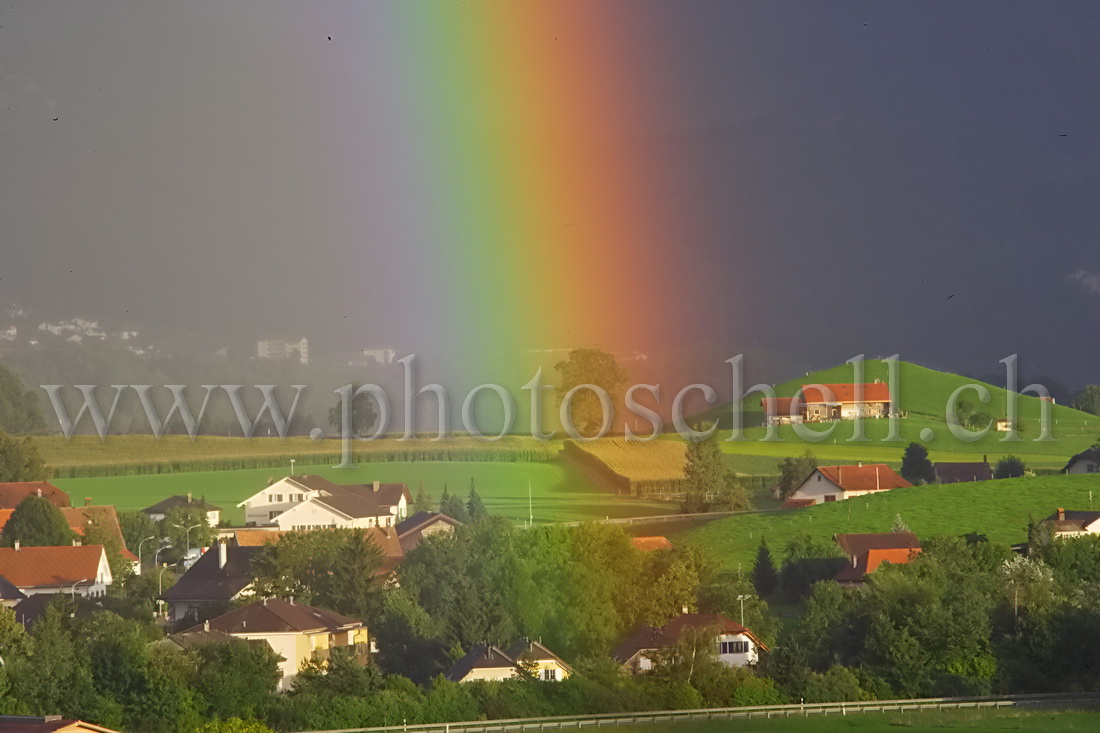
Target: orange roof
<point>255,537</point>
<point>648,544</point>
<point>32,567</point>
<point>780,406</point>
<point>869,561</point>
<point>798,503</point>
<point>869,477</point>
<point>79,517</point>
<point>12,493</point>
<point>874,392</point>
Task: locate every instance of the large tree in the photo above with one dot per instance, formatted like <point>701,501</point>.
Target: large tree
<point>20,460</point>
<point>20,410</point>
<point>363,414</point>
<point>37,523</point>
<point>793,471</point>
<point>916,468</point>
<point>596,367</point>
<point>709,480</point>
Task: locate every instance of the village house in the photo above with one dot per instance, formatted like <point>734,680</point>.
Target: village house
<point>413,529</point>
<point>296,632</point>
<point>959,472</point>
<point>485,662</point>
<point>1084,462</point>
<point>1072,523</point>
<point>818,402</point>
<point>836,483</point>
<point>313,502</point>
<point>160,510</point>
<point>866,552</point>
<point>223,574</point>
<point>79,570</point>
<point>80,521</point>
<point>14,492</point>
<point>736,645</point>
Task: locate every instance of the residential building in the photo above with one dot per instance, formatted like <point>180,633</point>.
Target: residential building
<point>959,472</point>
<point>412,529</point>
<point>82,518</point>
<point>81,570</point>
<point>313,502</point>
<point>836,483</point>
<point>1072,523</point>
<point>160,510</point>
<point>866,552</point>
<point>283,349</point>
<point>12,493</point>
<point>817,402</point>
<point>1084,462</point>
<point>47,724</point>
<point>386,538</point>
<point>782,410</point>
<point>298,633</point>
<point>485,662</point>
<point>736,645</point>
<point>223,574</point>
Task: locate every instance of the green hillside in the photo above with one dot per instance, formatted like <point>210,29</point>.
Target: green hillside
<point>997,509</point>
<point>923,395</point>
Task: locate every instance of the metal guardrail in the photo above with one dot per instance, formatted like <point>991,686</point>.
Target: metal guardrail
<point>661,518</point>
<point>566,722</point>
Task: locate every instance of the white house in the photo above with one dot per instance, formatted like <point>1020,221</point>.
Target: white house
<point>836,483</point>
<point>160,510</point>
<point>313,502</point>
<point>71,569</point>
<point>736,645</point>
<point>1084,462</point>
<point>1073,523</point>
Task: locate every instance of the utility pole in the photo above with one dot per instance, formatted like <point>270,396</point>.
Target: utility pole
<point>530,506</point>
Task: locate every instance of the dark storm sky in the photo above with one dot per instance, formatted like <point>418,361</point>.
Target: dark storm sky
<point>878,177</point>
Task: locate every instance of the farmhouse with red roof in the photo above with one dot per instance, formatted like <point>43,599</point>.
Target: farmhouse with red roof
<point>818,402</point>
<point>836,483</point>
<point>866,552</point>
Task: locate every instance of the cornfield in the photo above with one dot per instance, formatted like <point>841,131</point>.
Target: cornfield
<point>644,469</point>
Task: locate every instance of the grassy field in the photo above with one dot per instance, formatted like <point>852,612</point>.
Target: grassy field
<point>559,492</point>
<point>997,509</point>
<point>990,721</point>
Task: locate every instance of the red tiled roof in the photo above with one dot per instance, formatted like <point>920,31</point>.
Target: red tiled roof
<point>79,517</point>
<point>32,567</point>
<point>13,493</point>
<point>648,544</point>
<point>869,561</point>
<point>868,477</point>
<point>256,537</point>
<point>798,503</point>
<point>780,406</point>
<point>857,544</point>
<point>874,392</point>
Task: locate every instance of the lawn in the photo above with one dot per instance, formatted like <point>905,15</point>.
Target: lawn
<point>914,722</point>
<point>559,492</point>
<point>997,509</point>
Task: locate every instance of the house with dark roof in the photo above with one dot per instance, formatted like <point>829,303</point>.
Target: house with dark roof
<point>412,529</point>
<point>79,570</point>
<point>12,493</point>
<point>1087,461</point>
<point>9,594</point>
<point>296,632</point>
<point>866,552</point>
<point>486,662</point>
<point>386,538</point>
<point>836,483</point>
<point>47,724</point>
<point>736,645</point>
<point>961,472</point>
<point>160,510</point>
<point>1071,523</point>
<point>221,575</point>
<point>314,502</point>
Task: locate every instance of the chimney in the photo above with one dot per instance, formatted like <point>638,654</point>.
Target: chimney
<point>76,542</point>
<point>39,491</point>
<point>206,625</point>
<point>854,561</point>
<point>859,464</point>
<point>87,501</point>
<point>878,484</point>
<point>16,545</point>
<point>1061,516</point>
<point>223,555</point>
<point>684,610</point>
<point>189,498</point>
<point>377,485</point>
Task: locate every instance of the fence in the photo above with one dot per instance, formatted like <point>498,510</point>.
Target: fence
<point>662,518</point>
<point>1063,700</point>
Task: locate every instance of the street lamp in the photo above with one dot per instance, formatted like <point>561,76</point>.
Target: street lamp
<point>291,466</point>
<point>742,599</point>
<point>187,535</point>
<point>139,552</point>
<point>73,589</point>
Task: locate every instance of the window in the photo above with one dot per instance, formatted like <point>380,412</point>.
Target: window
<point>273,514</point>
<point>550,675</point>
<point>830,497</point>
<point>733,647</point>
<point>276,498</point>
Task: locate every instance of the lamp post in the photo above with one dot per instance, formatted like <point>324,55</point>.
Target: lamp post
<point>74,585</point>
<point>139,552</point>
<point>291,466</point>
<point>187,535</point>
<point>742,599</point>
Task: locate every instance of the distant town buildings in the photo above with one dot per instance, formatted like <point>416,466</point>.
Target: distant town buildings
<point>283,349</point>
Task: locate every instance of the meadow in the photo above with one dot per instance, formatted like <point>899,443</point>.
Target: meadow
<point>559,492</point>
<point>972,721</point>
<point>997,509</point>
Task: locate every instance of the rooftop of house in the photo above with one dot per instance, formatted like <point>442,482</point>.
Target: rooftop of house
<point>14,492</point>
<point>205,580</point>
<point>649,544</point>
<point>256,537</point>
<point>857,544</point>
<point>480,656</point>
<point>957,472</point>
<point>46,724</point>
<point>864,477</point>
<point>1090,454</point>
<point>79,519</point>
<point>1071,520</point>
<point>411,530</point>
<point>869,561</point>
<point>534,650</point>
<point>845,393</point>
<point>163,507</point>
<point>8,591</point>
<point>648,637</point>
<point>798,503</point>
<point>276,616</point>
<point>36,567</point>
